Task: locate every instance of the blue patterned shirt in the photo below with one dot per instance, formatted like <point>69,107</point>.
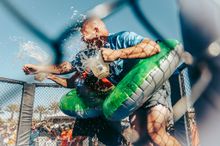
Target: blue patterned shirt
<point>120,67</point>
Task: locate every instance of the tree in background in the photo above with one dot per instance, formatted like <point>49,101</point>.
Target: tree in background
<point>41,110</point>
<point>12,108</point>
<point>54,107</point>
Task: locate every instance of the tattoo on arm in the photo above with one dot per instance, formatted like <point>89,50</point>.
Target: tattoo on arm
<point>60,81</point>
<point>145,49</point>
<point>65,67</point>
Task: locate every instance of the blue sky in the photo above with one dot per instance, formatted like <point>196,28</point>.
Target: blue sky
<point>52,16</point>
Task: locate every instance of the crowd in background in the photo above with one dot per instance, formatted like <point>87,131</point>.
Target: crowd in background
<point>51,134</point>
<point>8,131</point>
<point>43,133</point>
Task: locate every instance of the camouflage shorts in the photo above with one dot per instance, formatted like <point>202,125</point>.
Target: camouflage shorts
<point>162,97</point>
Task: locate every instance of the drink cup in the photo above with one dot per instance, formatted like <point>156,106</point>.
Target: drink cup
<point>97,65</point>
<point>40,76</point>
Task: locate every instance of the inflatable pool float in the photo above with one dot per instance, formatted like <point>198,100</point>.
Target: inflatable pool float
<point>73,105</point>
<point>84,101</point>
<point>134,89</point>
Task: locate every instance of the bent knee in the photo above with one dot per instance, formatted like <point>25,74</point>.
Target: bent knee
<point>154,127</point>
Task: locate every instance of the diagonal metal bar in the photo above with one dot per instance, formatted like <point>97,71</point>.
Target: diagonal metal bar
<point>33,29</point>
<point>111,8</point>
<point>102,11</point>
<point>143,20</point>
<point>198,88</point>
<point>27,24</point>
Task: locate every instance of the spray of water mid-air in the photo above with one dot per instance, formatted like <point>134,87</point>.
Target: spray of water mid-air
<point>31,50</point>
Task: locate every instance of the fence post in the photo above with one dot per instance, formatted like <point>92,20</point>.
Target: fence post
<point>25,118</point>
<point>189,116</point>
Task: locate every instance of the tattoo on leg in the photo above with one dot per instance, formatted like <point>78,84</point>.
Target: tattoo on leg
<point>156,127</point>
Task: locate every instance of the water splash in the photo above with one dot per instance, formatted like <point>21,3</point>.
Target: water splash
<point>74,44</point>
<point>33,51</point>
<point>29,49</point>
<point>97,65</point>
<point>90,63</point>
<point>74,13</point>
<point>77,17</point>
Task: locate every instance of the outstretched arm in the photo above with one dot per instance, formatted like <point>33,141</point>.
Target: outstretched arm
<point>63,68</point>
<point>144,49</point>
<point>58,80</point>
<point>65,82</point>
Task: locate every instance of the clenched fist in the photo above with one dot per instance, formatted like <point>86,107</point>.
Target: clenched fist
<point>31,69</point>
<point>110,55</point>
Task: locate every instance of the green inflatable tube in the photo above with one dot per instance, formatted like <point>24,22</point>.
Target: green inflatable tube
<point>134,89</point>
<point>73,105</point>
<point>141,82</point>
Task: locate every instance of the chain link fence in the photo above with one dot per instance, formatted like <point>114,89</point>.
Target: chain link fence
<point>30,114</point>
<point>47,126</point>
<point>10,100</point>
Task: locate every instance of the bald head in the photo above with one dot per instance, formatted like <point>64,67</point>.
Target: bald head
<point>93,29</point>
<point>93,23</point>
